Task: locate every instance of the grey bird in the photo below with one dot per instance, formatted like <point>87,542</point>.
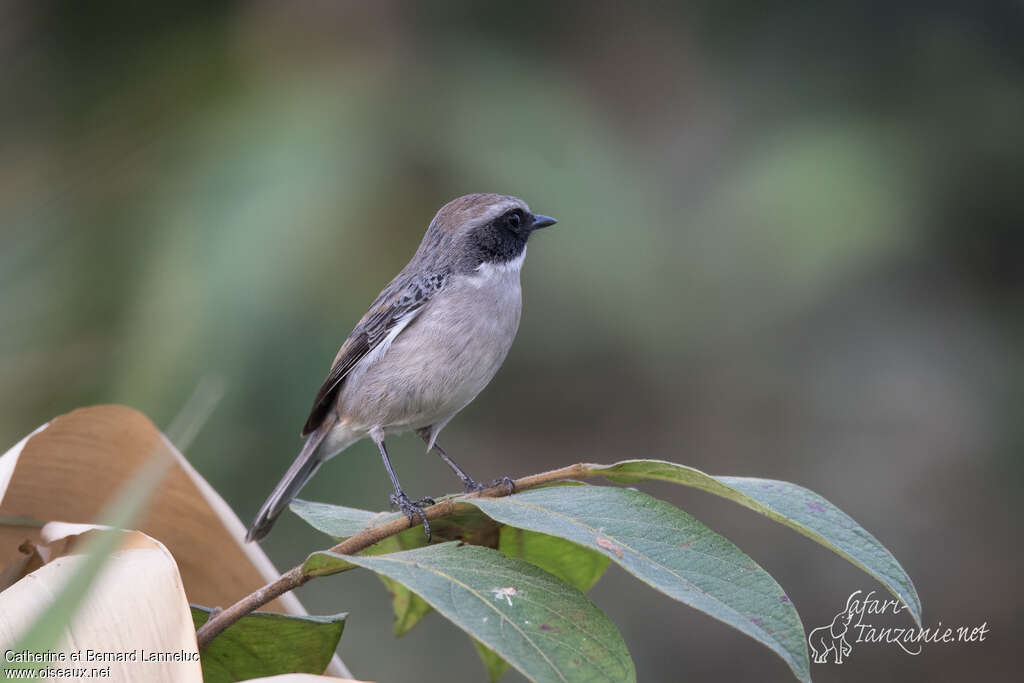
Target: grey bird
<point>431,341</point>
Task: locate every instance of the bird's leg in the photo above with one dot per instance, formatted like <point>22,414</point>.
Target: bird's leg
<point>411,508</point>
<point>469,485</point>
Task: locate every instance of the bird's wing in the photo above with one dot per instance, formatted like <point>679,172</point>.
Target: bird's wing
<point>392,310</point>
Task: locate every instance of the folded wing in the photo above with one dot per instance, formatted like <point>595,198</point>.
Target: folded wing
<point>393,310</point>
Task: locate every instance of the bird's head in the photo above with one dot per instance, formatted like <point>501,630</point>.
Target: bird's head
<point>483,228</point>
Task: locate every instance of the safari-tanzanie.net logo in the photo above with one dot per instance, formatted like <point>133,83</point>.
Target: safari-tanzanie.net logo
<point>863,621</point>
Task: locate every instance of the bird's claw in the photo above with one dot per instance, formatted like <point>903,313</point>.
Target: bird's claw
<point>413,509</point>
<point>471,486</point>
<point>507,482</point>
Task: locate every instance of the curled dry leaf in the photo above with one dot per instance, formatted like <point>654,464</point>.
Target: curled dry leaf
<point>27,560</point>
<point>69,468</point>
<point>137,606</point>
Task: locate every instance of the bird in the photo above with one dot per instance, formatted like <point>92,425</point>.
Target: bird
<point>430,342</point>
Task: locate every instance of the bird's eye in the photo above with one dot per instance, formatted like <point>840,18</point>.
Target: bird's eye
<point>514,219</point>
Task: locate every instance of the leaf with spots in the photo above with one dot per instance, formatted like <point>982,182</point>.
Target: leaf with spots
<point>466,524</point>
<point>789,504</point>
<point>543,627</point>
<point>669,550</point>
<point>578,566</point>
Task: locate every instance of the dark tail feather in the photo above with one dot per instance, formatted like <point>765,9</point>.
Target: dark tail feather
<point>301,471</point>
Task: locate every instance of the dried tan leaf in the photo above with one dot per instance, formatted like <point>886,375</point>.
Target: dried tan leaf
<point>69,468</point>
<point>25,562</point>
<point>137,606</point>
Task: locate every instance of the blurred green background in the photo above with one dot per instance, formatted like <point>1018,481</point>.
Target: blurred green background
<point>790,246</point>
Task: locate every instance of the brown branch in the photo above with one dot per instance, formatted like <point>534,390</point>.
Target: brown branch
<point>295,577</point>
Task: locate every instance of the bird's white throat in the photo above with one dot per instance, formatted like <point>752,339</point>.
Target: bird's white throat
<point>488,270</point>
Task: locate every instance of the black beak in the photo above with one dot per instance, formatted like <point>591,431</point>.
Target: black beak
<point>541,221</point>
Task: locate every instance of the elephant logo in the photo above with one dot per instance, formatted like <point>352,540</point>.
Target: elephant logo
<point>831,639</point>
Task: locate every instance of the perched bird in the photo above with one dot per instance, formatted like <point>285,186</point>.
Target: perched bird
<point>431,341</point>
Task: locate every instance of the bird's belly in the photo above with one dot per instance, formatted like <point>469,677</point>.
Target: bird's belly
<point>438,364</point>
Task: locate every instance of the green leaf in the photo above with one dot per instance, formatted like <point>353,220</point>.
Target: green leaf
<point>546,629</point>
<point>496,666</point>
<point>322,563</point>
<point>669,550</point>
<point>789,504</point>
<point>578,566</point>
<point>466,523</point>
<point>268,644</point>
<point>334,520</point>
<point>408,607</point>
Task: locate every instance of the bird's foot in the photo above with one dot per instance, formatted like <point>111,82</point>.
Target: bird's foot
<point>471,486</point>
<point>474,487</point>
<point>506,482</point>
<point>413,509</point>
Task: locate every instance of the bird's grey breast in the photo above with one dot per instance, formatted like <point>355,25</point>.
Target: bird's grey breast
<point>443,358</point>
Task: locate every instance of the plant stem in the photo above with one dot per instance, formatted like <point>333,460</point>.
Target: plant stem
<point>295,577</point>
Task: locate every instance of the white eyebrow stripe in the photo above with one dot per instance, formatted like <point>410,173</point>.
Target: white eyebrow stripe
<point>496,209</point>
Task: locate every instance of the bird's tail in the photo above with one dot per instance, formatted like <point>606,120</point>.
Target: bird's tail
<point>301,471</point>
